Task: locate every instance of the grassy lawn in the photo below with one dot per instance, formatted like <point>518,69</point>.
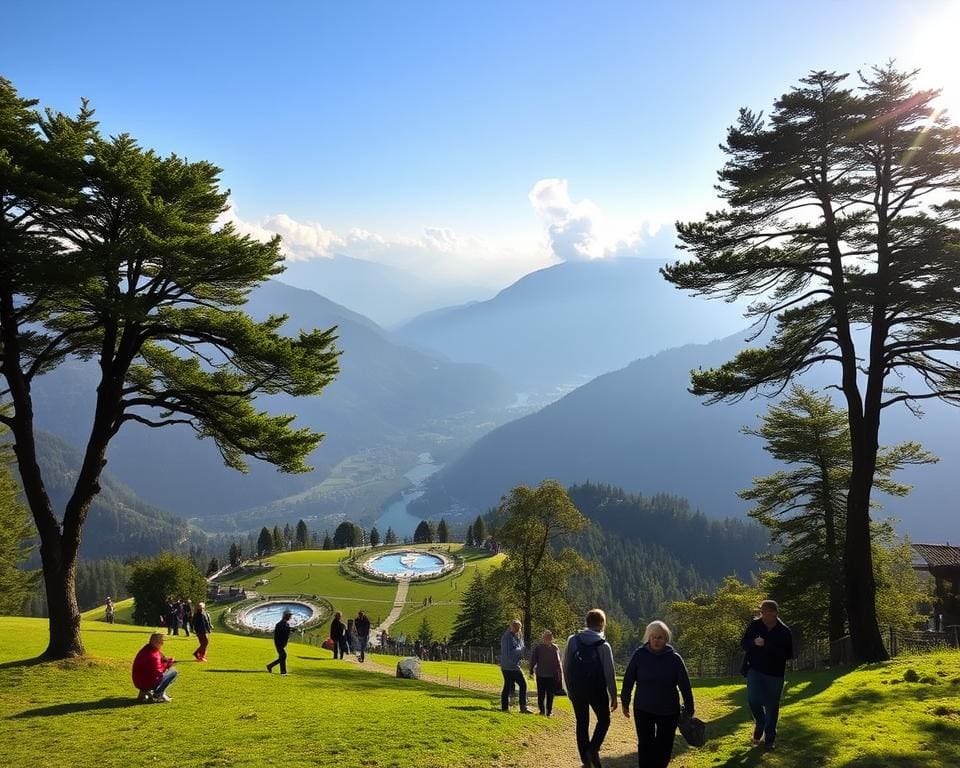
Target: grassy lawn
<point>230,712</point>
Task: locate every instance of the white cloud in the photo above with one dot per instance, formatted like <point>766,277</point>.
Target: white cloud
<point>438,252</point>
<point>579,231</point>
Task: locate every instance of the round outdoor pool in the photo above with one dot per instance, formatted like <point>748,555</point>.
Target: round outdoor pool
<point>266,616</point>
<point>407,564</point>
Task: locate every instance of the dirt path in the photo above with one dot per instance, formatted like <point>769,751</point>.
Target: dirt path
<point>398,602</point>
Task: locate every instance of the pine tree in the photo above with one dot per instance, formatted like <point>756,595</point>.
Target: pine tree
<point>374,537</point>
<point>425,632</point>
<point>302,536</point>
<point>391,537</point>
<point>423,534</point>
<point>443,534</point>
<point>112,253</point>
<point>327,541</point>
<point>213,567</point>
<point>469,537</point>
<point>841,227</point>
<point>482,615</point>
<point>479,531</point>
<point>277,537</point>
<point>16,584</point>
<point>236,555</point>
<point>264,542</point>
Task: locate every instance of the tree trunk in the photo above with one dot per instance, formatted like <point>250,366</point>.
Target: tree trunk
<point>861,588</point>
<point>59,574</point>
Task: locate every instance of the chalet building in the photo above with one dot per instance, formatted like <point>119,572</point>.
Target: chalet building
<point>943,563</point>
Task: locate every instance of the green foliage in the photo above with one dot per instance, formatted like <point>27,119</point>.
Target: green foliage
<point>327,541</point>
<point>805,510</point>
<point>708,628</point>
<point>236,555</point>
<point>264,542</point>
<point>155,580</point>
<point>468,539</point>
<point>109,252</point>
<point>424,632</point>
<point>391,537</point>
<point>277,540</point>
<point>443,533</point>
<point>479,531</point>
<point>301,536</point>
<point>839,216</point>
<point>534,579</point>
<point>16,530</point>
<point>423,534</point>
<point>213,567</point>
<point>374,537</point>
<point>347,535</point>
<point>482,616</point>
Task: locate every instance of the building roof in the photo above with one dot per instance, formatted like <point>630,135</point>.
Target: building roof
<point>938,555</point>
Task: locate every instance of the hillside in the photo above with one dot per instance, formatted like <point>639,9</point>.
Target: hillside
<point>640,429</point>
<point>119,524</point>
<point>561,326</point>
<point>230,712</point>
<point>389,402</point>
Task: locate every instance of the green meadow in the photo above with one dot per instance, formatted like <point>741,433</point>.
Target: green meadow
<point>230,712</point>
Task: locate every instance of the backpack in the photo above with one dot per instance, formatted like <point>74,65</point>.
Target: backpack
<point>585,670</point>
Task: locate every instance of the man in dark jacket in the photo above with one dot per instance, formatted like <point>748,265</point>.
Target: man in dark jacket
<point>281,635</point>
<point>768,644</point>
<point>338,633</point>
<point>362,625</point>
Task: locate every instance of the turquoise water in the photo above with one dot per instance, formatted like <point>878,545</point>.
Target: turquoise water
<point>266,616</point>
<point>406,564</point>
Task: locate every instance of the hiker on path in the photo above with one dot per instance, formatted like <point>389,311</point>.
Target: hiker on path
<point>202,627</point>
<point>511,654</point>
<point>152,671</point>
<point>281,636</point>
<point>588,670</point>
<point>186,618</point>
<point>658,672</point>
<point>545,664</point>
<point>109,611</point>
<point>338,633</point>
<point>768,644</point>
<point>362,625</point>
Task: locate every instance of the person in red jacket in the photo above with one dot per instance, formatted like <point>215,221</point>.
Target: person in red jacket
<point>152,671</point>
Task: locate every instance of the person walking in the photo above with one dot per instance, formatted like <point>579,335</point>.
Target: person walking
<point>109,611</point>
<point>173,625</point>
<point>187,616</point>
<point>202,627</point>
<point>588,671</point>
<point>658,672</point>
<point>511,654</point>
<point>768,644</point>
<point>281,636</point>
<point>362,625</point>
<point>545,664</point>
<point>338,633</point>
<point>152,672</point>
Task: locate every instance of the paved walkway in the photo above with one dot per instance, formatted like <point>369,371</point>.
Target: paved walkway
<point>398,602</point>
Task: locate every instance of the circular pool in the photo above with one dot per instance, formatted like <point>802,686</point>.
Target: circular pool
<point>407,564</point>
<point>266,615</point>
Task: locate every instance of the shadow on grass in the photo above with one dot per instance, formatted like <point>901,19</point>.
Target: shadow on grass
<point>237,671</point>
<point>22,663</point>
<point>56,710</point>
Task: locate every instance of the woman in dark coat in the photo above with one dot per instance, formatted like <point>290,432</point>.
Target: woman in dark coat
<point>338,633</point>
<point>658,672</point>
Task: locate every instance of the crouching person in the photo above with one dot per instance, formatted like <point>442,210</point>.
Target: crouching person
<point>152,671</point>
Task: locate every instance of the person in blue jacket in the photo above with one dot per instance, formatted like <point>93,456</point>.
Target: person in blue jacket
<point>511,654</point>
<point>661,678</point>
<point>281,636</point>
<point>768,644</point>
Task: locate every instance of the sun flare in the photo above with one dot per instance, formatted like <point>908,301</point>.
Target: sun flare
<point>935,50</point>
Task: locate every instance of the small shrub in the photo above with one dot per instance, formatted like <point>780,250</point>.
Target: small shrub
<point>911,675</point>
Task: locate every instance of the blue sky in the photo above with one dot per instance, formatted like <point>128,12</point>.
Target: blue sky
<point>415,133</point>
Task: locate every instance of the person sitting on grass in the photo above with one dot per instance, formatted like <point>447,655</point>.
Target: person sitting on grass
<point>152,672</point>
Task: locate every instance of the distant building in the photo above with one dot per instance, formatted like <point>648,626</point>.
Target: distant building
<point>942,562</point>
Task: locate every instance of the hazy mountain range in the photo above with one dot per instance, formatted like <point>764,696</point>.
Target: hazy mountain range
<point>640,429</point>
<point>564,325</point>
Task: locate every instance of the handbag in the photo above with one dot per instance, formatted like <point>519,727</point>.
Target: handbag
<point>693,730</point>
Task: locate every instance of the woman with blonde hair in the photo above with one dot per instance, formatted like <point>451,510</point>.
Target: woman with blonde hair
<point>658,672</point>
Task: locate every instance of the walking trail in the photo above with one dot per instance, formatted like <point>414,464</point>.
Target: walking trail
<point>398,602</point>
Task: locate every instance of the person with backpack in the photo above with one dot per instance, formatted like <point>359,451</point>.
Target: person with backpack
<point>588,670</point>
<point>657,671</point>
<point>511,654</point>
